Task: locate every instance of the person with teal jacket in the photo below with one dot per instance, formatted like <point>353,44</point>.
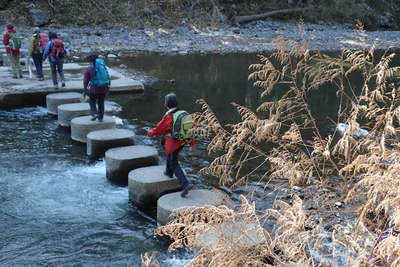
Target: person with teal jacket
<point>96,84</point>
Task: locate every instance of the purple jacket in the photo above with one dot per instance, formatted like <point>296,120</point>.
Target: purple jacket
<point>87,77</point>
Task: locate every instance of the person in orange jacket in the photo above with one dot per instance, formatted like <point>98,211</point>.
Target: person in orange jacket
<point>172,146</point>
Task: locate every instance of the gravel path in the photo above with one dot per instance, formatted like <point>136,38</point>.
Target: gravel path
<point>249,38</point>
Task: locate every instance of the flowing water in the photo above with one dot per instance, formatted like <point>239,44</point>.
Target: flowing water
<point>56,206</point>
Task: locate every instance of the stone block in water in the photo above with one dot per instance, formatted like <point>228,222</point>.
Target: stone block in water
<point>98,142</point>
<point>147,184</point>
<point>81,126</point>
<point>55,100</point>
<point>121,160</point>
<point>196,198</point>
<point>67,112</point>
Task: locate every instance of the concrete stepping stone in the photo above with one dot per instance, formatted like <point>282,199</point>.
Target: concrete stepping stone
<point>147,184</point>
<point>98,142</point>
<point>67,112</point>
<point>121,160</point>
<point>196,198</point>
<point>81,126</point>
<point>55,100</point>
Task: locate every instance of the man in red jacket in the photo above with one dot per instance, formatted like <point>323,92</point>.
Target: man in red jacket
<point>172,146</point>
<point>13,55</point>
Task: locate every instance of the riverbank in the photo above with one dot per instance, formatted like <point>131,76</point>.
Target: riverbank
<point>255,37</point>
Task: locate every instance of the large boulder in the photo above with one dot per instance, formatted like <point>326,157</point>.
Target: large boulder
<point>39,17</point>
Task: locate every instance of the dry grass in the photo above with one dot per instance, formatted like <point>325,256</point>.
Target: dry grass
<point>283,137</point>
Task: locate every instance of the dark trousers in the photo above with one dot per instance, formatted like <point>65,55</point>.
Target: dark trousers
<point>38,61</point>
<point>173,167</point>
<point>99,109</point>
<point>57,65</point>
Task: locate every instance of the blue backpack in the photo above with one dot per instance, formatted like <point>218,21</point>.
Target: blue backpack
<point>101,76</point>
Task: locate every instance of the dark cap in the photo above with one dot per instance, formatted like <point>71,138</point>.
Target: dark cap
<point>171,101</point>
<point>53,35</point>
<point>10,26</point>
<point>92,57</point>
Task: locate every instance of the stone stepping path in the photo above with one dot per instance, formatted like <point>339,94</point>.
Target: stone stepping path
<point>120,161</point>
<point>67,112</point>
<point>55,100</point>
<point>196,198</point>
<point>147,184</point>
<point>137,166</point>
<point>98,142</point>
<point>82,126</point>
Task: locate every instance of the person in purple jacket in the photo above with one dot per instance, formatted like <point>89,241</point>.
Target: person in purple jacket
<point>96,83</point>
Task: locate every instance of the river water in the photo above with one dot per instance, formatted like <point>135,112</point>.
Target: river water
<point>56,206</point>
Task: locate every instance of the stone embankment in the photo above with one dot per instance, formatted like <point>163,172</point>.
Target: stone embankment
<point>28,91</point>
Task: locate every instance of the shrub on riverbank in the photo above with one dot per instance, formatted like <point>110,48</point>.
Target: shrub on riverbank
<point>139,13</point>
<point>281,139</point>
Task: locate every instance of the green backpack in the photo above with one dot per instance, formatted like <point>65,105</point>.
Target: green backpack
<point>182,124</point>
<point>15,41</point>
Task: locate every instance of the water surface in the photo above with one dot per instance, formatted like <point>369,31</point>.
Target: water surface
<point>56,206</point>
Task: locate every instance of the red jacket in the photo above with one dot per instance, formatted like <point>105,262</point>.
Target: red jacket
<point>6,42</point>
<point>165,127</point>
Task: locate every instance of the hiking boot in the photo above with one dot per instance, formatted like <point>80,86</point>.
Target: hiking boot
<point>93,118</point>
<point>169,174</point>
<point>186,190</point>
<point>56,86</point>
<point>20,76</point>
<point>62,84</point>
<point>100,119</point>
<point>15,77</point>
<point>41,79</point>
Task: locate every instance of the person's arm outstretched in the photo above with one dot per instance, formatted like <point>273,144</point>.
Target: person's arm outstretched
<point>163,127</point>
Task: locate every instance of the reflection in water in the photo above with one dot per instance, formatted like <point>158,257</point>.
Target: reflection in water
<point>219,79</point>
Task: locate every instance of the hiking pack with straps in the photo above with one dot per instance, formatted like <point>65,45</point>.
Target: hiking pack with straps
<point>58,49</point>
<point>15,41</point>
<point>182,124</point>
<point>41,40</point>
<point>101,76</point>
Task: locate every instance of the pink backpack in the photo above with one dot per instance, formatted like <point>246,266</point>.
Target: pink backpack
<point>44,39</point>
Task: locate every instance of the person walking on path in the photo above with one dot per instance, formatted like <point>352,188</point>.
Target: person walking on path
<point>172,144</point>
<point>96,83</point>
<point>13,44</point>
<point>56,53</point>
<point>37,46</point>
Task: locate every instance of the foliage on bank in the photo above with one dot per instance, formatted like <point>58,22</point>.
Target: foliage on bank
<point>140,13</point>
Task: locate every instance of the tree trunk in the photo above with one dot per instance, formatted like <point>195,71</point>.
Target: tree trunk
<point>245,19</point>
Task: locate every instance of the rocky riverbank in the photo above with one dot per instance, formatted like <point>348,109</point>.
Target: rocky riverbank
<point>250,38</point>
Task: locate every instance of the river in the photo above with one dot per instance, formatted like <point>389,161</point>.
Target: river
<point>56,206</point>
